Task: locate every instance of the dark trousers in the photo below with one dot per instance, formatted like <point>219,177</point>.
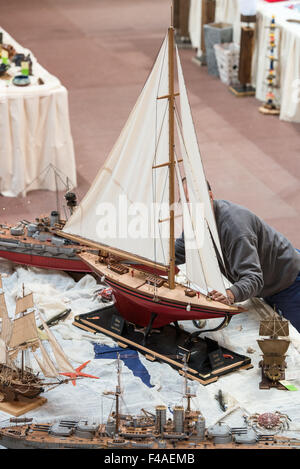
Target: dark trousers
<point>288,302</point>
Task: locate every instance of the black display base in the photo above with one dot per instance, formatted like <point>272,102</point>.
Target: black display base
<point>206,360</point>
<point>242,90</point>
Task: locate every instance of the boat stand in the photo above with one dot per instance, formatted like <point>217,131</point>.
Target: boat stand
<point>22,405</point>
<point>171,344</point>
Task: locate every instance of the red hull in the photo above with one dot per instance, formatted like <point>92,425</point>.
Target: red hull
<point>44,262</point>
<point>137,308</point>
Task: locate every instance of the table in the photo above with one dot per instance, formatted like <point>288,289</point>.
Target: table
<point>54,292</point>
<point>35,132</point>
<point>289,49</point>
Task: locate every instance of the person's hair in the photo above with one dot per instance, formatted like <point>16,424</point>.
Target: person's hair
<point>208,185</point>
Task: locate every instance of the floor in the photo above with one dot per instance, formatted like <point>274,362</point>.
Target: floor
<point>102,51</point>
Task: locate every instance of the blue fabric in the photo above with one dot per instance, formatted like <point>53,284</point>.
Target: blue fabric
<point>128,356</point>
<point>287,302</point>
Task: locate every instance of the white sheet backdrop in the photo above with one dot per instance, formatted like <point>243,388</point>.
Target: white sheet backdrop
<point>289,48</point>
<point>34,131</point>
<point>54,291</point>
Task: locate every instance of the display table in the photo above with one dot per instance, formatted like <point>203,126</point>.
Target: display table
<point>227,11</point>
<point>145,383</point>
<point>35,131</point>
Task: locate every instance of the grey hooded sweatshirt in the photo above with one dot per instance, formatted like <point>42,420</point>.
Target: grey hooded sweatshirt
<point>259,261</point>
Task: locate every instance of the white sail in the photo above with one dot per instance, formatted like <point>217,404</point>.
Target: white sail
<point>64,366</point>
<point>3,352</point>
<point>24,303</point>
<point>194,270</point>
<point>206,231</point>
<point>129,179</point>
<point>6,326</point>
<point>45,364</point>
<point>24,331</point>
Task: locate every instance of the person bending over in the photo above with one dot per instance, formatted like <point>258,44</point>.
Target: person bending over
<point>259,261</point>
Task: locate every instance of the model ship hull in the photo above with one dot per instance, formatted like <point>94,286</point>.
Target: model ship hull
<point>45,254</point>
<point>19,437</point>
<point>13,386</point>
<point>45,262</point>
<point>138,301</point>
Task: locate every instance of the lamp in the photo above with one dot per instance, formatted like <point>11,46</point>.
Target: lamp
<point>248,9</point>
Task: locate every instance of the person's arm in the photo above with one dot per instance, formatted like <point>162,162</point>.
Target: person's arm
<point>245,266</point>
<point>180,250</point>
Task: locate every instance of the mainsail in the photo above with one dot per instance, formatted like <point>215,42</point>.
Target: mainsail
<point>137,170</point>
<point>24,331</point>
<point>128,178</point>
<point>6,327</point>
<point>24,303</point>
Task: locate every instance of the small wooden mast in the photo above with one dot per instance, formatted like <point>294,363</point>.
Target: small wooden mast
<point>171,156</point>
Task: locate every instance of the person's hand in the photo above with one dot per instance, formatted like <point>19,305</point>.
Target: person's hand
<point>217,296</point>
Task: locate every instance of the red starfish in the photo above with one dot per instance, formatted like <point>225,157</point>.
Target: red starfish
<point>77,372</point>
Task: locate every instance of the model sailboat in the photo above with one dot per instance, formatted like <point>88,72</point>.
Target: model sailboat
<point>143,175</point>
<point>18,337</point>
<point>274,350</point>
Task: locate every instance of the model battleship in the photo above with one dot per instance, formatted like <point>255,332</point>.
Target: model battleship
<point>19,338</point>
<point>274,349</point>
<point>38,244</point>
<point>185,430</point>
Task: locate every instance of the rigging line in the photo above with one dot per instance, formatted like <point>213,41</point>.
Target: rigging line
<point>160,132</point>
<point>162,66</point>
<point>57,173</point>
<point>219,259</point>
<point>217,255</point>
<point>198,253</point>
<point>47,169</point>
<point>157,140</point>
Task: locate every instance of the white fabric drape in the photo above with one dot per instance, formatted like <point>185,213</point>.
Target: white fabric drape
<point>288,71</point>
<point>195,22</point>
<point>34,131</point>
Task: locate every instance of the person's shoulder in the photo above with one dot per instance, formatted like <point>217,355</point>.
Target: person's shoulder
<point>231,209</point>
<point>235,219</point>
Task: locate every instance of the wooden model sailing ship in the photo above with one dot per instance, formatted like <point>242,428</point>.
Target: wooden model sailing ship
<point>274,349</point>
<point>144,167</point>
<point>185,430</point>
<point>19,337</point>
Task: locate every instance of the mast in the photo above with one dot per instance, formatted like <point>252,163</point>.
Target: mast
<point>171,98</point>
<point>118,394</point>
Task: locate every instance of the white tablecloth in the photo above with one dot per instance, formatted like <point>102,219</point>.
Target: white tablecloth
<point>55,291</point>
<point>288,51</point>
<point>35,131</point>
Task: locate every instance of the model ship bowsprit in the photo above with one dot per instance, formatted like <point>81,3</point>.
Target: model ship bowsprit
<point>145,167</point>
<point>274,349</point>
<point>185,430</point>
<point>18,338</point>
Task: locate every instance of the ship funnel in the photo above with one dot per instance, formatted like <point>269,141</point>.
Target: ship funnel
<point>178,416</point>
<point>161,417</point>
